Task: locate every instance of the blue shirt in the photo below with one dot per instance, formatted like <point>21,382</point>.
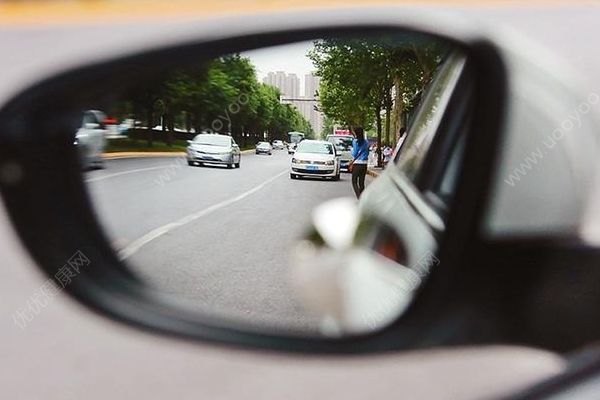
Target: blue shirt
<point>360,153</point>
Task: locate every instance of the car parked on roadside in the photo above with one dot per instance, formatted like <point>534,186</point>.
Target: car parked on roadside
<point>317,158</point>
<point>216,149</point>
<point>343,145</point>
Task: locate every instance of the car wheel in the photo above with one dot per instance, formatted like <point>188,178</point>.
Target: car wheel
<point>293,176</point>
<point>337,177</point>
<point>237,164</point>
<point>191,163</point>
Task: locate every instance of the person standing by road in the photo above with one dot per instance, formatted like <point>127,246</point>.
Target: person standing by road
<point>360,157</point>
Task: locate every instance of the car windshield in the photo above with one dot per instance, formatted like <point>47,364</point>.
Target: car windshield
<point>315,147</point>
<point>341,143</point>
<point>213,140</point>
<point>263,144</point>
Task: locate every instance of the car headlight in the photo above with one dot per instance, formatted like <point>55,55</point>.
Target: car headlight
<point>330,162</point>
<point>294,160</point>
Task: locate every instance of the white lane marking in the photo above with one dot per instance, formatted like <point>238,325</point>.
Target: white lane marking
<point>137,244</point>
<point>133,171</point>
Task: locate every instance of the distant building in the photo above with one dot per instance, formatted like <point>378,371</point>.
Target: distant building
<point>289,86</point>
<point>311,85</point>
<point>292,86</point>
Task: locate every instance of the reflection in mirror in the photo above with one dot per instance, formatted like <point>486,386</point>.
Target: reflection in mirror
<point>215,180</point>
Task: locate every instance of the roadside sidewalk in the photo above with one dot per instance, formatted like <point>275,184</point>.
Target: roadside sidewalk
<point>374,172</point>
<point>140,154</point>
<point>148,154</point>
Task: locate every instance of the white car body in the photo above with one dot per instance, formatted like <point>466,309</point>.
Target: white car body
<point>91,139</point>
<point>309,163</point>
<point>278,145</point>
<point>342,142</point>
<point>213,149</point>
<point>264,148</point>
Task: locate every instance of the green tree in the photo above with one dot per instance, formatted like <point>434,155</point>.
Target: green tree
<point>364,81</point>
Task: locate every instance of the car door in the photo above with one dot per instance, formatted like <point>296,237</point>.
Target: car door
<point>410,199</point>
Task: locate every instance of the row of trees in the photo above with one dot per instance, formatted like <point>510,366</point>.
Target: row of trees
<point>222,96</point>
<point>373,83</point>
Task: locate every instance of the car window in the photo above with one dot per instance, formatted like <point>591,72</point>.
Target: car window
<point>429,116</point>
<point>341,143</point>
<point>89,118</point>
<point>212,140</point>
<point>445,188</point>
<point>314,147</point>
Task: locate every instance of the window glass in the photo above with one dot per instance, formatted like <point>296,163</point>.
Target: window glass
<point>213,140</point>
<point>447,184</point>
<point>429,116</point>
<point>89,118</point>
<point>341,143</point>
<point>315,147</point>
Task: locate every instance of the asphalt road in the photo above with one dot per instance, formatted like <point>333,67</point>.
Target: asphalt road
<point>216,239</point>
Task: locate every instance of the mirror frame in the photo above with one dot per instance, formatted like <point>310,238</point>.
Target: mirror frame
<point>51,211</point>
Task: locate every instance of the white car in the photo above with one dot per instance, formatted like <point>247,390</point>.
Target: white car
<point>343,145</point>
<point>213,149</point>
<point>292,148</point>
<point>315,158</point>
<point>90,139</point>
<point>264,148</point>
<point>278,145</point>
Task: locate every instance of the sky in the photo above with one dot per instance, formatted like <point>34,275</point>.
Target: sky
<point>290,58</point>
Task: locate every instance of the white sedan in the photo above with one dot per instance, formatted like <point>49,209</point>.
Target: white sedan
<point>315,158</point>
<point>278,145</point>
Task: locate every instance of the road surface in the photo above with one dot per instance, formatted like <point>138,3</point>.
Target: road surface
<point>217,239</point>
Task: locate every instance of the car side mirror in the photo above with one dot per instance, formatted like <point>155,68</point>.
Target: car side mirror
<point>91,125</point>
<point>168,260</point>
<point>343,279</point>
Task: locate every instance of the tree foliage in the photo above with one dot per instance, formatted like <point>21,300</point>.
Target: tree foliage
<point>364,80</point>
<point>222,96</point>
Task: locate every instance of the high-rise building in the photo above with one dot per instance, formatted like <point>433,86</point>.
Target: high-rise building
<point>292,86</point>
<point>289,86</point>
<point>270,79</point>
<point>280,81</point>
<point>311,85</point>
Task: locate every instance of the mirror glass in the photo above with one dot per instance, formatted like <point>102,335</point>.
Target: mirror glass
<point>224,183</point>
